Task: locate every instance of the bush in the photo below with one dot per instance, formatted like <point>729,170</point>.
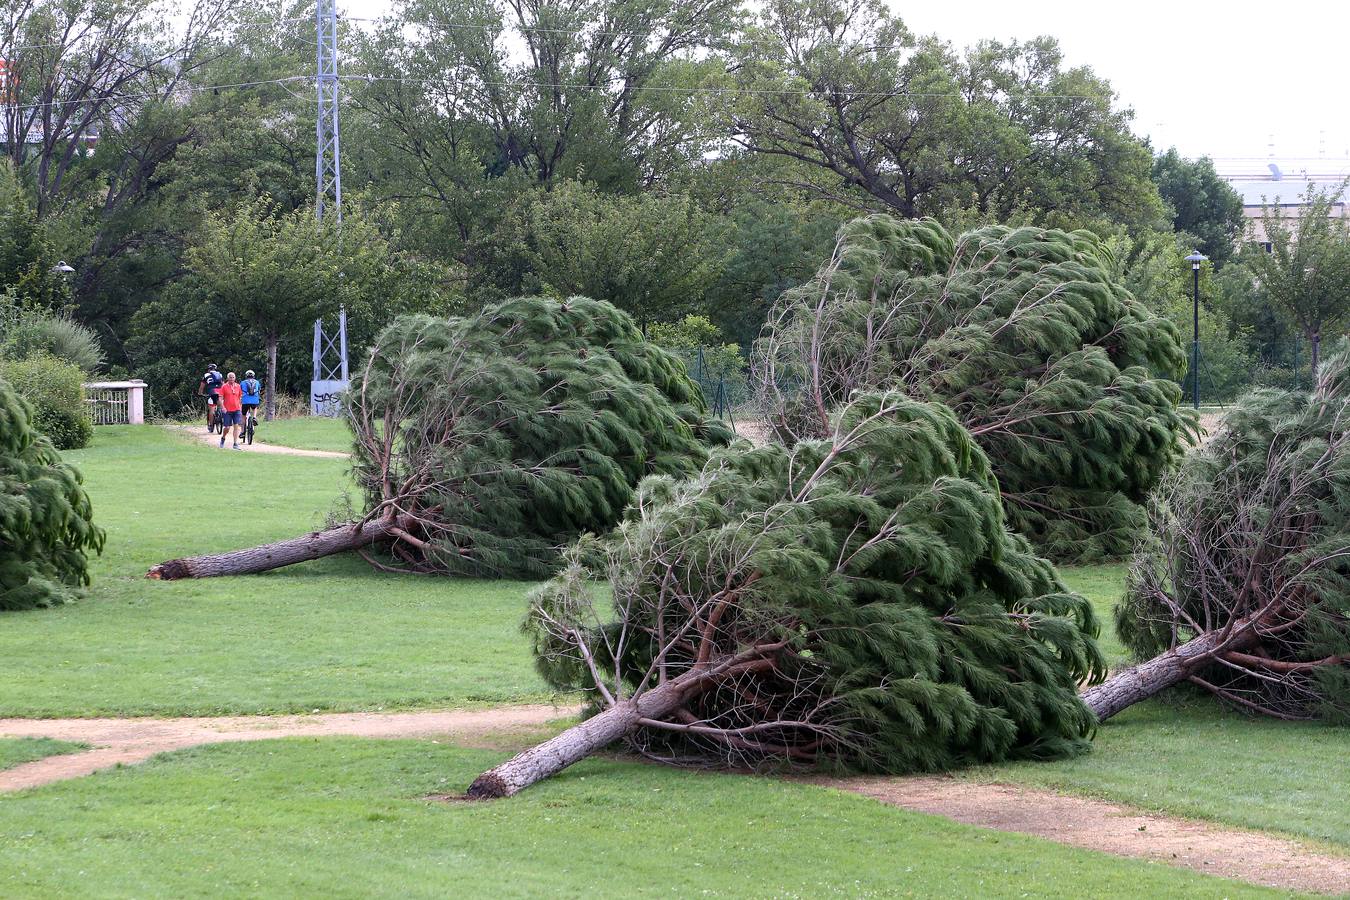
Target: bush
<point>54,390</point>
<point>35,333</point>
<point>45,527</point>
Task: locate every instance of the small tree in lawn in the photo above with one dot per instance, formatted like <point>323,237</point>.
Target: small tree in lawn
<point>46,532</point>
<point>1306,274</point>
<point>856,601</point>
<point>279,271</point>
<point>1063,378</point>
<point>483,444</point>
<point>1243,584</point>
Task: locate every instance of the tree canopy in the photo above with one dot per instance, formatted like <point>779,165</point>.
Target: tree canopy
<point>1201,203</point>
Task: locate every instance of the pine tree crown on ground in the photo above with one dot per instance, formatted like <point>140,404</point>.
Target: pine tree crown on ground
<point>1064,379</point>
<point>870,606</point>
<point>516,429</point>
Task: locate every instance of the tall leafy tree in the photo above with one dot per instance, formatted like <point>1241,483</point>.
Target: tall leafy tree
<point>1306,274</point>
<point>651,255</point>
<point>845,86</point>
<point>27,255</point>
<point>1201,203</point>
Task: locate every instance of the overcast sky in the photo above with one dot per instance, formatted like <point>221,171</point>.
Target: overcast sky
<point>1212,79</point>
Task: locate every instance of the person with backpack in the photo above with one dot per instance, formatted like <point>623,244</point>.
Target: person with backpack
<point>209,387</point>
<point>251,400</point>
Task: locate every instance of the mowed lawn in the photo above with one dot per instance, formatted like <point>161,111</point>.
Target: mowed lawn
<point>351,818</point>
<point>308,433</point>
<point>327,635</point>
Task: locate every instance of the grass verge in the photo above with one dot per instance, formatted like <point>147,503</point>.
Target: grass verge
<point>349,818</point>
<point>306,433</point>
<point>17,751</point>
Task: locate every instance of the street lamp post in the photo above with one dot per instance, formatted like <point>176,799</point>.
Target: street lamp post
<point>1195,259</point>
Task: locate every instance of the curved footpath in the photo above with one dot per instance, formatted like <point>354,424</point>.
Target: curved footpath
<point>200,433</point>
<point>1081,822</point>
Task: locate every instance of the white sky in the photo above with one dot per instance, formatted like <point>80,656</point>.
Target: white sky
<point>1214,79</point>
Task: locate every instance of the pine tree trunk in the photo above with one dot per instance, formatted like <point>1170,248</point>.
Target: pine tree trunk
<point>281,553</point>
<point>1124,689</point>
<point>578,742</point>
<point>271,408</point>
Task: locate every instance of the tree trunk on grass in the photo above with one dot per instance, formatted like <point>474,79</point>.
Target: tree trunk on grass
<point>579,742</point>
<point>1124,689</point>
<point>315,545</point>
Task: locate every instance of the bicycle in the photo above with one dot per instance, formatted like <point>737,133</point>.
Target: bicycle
<point>250,424</point>
<point>215,425</point>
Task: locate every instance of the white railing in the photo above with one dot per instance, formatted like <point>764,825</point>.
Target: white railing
<point>115,402</point>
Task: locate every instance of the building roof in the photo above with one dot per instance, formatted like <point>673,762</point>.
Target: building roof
<point>1288,191</point>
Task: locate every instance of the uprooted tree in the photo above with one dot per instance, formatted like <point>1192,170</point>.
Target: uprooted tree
<point>482,444</point>
<point>1060,374</point>
<point>46,532</point>
<point>1243,584</point>
<point>856,601</point>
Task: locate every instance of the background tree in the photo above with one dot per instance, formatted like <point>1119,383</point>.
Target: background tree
<point>278,271</point>
<point>27,256</point>
<point>843,85</point>
<point>854,602</point>
<point>46,532</point>
<point>652,256</point>
<point>484,443</point>
<point>1201,203</point>
<point>1064,379</point>
<point>1242,586</point>
<point>1306,274</point>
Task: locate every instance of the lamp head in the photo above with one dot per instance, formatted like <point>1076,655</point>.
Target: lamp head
<point>1196,258</point>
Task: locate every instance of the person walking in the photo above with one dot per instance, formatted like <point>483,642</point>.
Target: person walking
<point>231,403</point>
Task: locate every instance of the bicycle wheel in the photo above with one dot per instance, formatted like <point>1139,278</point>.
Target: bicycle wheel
<point>248,430</point>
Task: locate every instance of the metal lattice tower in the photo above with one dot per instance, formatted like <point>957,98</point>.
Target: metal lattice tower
<point>330,376</point>
<point>328,156</point>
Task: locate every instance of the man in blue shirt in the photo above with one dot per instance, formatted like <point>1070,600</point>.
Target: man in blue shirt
<point>252,396</point>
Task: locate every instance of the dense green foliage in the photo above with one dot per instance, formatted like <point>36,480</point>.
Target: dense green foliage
<point>1203,206</point>
<point>45,528</point>
<point>54,391</point>
<point>517,429</point>
<point>1251,538</point>
<point>29,332</point>
<point>905,627</point>
<point>1064,379</point>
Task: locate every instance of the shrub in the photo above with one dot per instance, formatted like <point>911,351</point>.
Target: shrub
<point>35,333</point>
<point>45,527</point>
<point>54,390</point>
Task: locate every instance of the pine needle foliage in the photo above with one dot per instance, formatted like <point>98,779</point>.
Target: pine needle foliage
<point>1062,377</point>
<point>46,532</point>
<point>497,438</point>
<point>1250,543</point>
<point>856,602</point>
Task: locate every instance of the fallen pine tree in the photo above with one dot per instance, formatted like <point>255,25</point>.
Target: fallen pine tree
<point>856,601</point>
<point>1061,375</point>
<point>1242,587</point>
<point>483,444</point>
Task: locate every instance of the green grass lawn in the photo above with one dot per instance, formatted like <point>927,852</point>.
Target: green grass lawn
<point>332,634</point>
<point>349,818</point>
<point>307,433</point>
<point>17,751</point>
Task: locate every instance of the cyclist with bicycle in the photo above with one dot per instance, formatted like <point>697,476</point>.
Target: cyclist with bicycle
<point>252,399</point>
<point>209,387</point>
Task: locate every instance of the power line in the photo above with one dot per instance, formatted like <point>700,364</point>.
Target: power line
<point>263,23</point>
<point>157,94</point>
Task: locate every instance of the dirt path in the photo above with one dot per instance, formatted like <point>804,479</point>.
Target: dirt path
<point>1118,830</point>
<point>1090,824</point>
<point>201,434</point>
<point>128,741</point>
